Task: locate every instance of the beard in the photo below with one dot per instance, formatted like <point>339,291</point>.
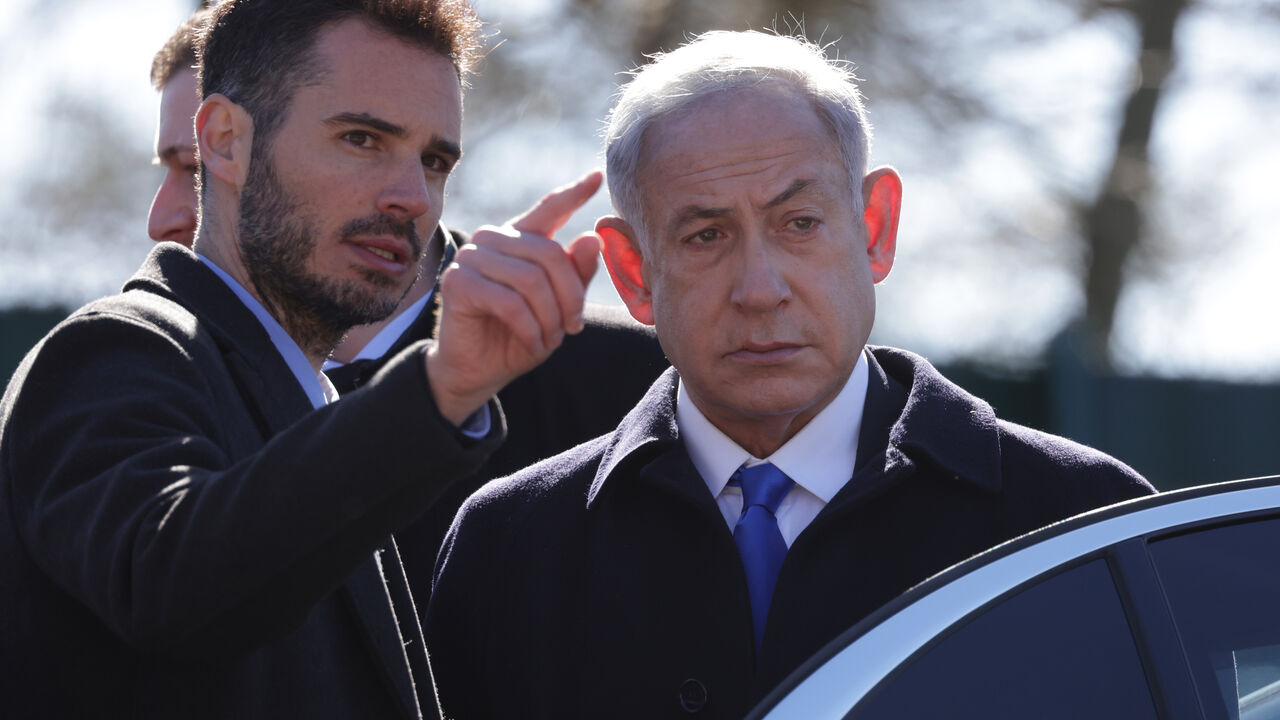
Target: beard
<point>277,240</point>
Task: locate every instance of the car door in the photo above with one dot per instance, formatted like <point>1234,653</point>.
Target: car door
<point>1164,607</point>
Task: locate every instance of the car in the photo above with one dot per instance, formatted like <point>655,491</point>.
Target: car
<point>1164,607</point>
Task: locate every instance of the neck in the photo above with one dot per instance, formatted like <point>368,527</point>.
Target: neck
<point>762,439</point>
<point>216,243</point>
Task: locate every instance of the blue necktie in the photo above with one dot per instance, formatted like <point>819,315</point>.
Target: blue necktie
<point>759,541</point>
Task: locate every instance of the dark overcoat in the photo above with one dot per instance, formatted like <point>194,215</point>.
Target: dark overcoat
<point>605,582</point>
<point>183,536</point>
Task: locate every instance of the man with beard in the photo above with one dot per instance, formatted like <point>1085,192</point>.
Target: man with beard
<point>552,408</point>
<point>190,525</point>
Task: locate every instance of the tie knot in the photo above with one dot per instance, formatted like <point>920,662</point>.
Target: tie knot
<point>764,485</point>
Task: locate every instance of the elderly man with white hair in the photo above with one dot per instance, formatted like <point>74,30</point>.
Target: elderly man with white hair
<point>784,479</point>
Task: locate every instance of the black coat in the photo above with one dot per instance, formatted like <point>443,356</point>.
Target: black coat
<point>582,391</point>
<point>605,583</point>
<point>182,535</point>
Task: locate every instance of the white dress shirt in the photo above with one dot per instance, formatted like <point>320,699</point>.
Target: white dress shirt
<point>820,458</point>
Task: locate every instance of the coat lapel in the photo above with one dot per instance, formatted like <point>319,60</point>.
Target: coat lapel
<point>371,600</point>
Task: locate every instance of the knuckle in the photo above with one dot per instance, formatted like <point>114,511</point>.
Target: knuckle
<point>487,234</point>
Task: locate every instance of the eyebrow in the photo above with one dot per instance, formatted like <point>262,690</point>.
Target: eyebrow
<point>698,212</point>
<point>438,144</point>
<point>793,190</point>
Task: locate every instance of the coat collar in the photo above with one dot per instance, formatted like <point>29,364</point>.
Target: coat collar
<point>645,432</point>
<point>933,420</point>
<point>913,415</point>
<point>175,273</point>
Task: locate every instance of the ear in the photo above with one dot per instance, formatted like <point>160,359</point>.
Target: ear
<point>224,132</point>
<point>625,263</point>
<point>881,201</point>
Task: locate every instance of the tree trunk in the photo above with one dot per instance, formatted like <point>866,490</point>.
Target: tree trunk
<point>1114,223</point>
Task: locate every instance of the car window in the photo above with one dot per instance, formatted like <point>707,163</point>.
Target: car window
<point>1059,648</point>
<point>1224,593</point>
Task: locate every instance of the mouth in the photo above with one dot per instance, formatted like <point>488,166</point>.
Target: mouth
<point>385,254</point>
<point>766,352</point>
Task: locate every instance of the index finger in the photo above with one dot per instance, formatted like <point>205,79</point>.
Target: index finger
<point>553,211</point>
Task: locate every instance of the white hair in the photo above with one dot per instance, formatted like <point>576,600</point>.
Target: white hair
<point>720,61</point>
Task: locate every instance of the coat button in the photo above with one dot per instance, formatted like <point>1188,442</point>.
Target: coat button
<point>693,695</point>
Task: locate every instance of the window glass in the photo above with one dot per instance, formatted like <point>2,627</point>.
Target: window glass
<point>1058,649</point>
<point>1224,592</point>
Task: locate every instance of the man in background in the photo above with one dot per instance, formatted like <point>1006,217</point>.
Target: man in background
<point>173,74</point>
<point>784,479</point>
<point>583,390</point>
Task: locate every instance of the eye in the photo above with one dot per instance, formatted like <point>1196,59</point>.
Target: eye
<point>437,163</point>
<point>702,237</point>
<point>359,138</point>
<point>804,224</point>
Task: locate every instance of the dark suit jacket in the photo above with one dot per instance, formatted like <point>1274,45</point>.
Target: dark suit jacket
<point>182,535</point>
<point>605,582</point>
<point>582,391</point>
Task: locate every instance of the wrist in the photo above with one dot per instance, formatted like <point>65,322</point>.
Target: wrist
<point>454,403</point>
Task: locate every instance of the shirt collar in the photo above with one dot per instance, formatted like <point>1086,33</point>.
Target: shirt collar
<point>320,391</point>
<point>391,333</point>
<point>388,335</point>
<point>820,458</point>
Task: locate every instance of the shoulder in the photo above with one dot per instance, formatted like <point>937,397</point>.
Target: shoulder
<point>1030,452</point>
<point>606,325</point>
<point>611,341</point>
<point>133,331</point>
<point>531,511</point>
<point>613,318</point>
<point>1033,468</point>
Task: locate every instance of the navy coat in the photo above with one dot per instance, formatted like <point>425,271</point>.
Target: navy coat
<point>182,535</point>
<point>605,583</point>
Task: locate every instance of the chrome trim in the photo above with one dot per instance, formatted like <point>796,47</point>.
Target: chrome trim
<point>840,683</point>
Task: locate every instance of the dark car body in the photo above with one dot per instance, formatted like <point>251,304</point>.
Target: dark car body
<point>1162,607</point>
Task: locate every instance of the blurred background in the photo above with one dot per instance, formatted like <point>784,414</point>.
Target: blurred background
<point>1089,219</point>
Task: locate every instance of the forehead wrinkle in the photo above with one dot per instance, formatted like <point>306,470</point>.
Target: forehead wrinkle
<point>742,168</point>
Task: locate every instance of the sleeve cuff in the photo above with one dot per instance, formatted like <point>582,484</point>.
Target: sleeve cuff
<point>477,424</point>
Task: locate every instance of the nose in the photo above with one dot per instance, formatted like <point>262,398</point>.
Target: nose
<point>407,195</point>
<point>761,284</point>
<point>173,211</point>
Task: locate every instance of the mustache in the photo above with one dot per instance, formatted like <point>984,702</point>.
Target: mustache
<point>385,225</point>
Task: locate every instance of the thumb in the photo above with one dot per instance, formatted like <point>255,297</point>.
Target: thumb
<point>553,211</point>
